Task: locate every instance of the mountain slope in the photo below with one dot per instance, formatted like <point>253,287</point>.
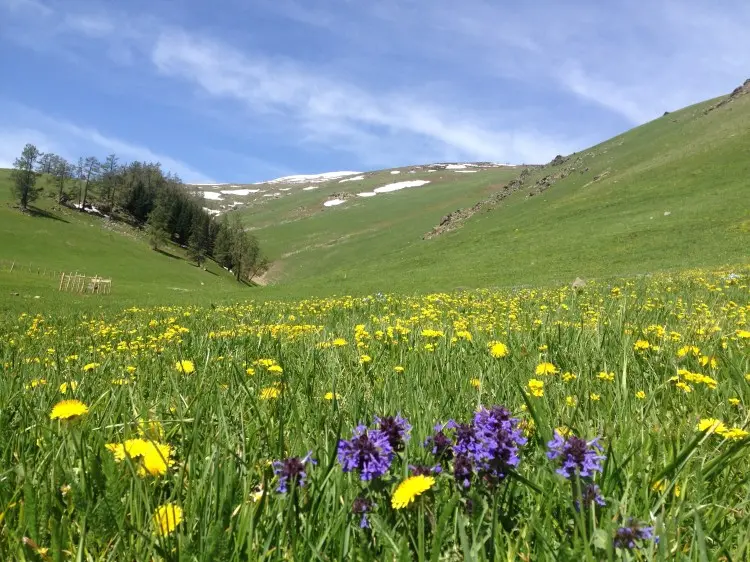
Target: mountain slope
<point>61,239</point>
<point>671,193</point>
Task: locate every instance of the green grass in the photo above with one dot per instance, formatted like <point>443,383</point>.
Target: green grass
<point>691,165</point>
<point>62,489</point>
<point>60,239</point>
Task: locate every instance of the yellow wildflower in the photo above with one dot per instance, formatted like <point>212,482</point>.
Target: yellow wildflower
<point>410,489</point>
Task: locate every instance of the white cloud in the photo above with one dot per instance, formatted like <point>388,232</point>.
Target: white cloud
<point>331,109</point>
<point>72,141</point>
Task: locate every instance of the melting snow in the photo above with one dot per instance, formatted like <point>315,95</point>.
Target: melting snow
<point>211,211</point>
<point>394,172</point>
<point>333,202</point>
<point>315,178</point>
<point>400,185</point>
<point>455,167</point>
<point>212,195</point>
<point>367,194</point>
<point>239,191</point>
<point>355,178</point>
<point>311,187</point>
<point>465,171</point>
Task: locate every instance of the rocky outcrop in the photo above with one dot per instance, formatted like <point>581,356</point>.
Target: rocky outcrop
<point>738,92</point>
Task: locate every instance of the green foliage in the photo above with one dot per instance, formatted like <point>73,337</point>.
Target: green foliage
<point>24,176</point>
<point>63,489</point>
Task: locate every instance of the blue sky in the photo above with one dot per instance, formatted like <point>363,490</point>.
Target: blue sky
<point>248,90</point>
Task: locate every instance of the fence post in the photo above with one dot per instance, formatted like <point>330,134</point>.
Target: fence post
<point>62,278</point>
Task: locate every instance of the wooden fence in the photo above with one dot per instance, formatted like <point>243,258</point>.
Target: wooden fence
<point>79,283</point>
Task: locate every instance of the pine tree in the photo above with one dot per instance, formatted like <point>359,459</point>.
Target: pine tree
<point>24,176</point>
<point>198,242</point>
<point>157,223</point>
<point>223,244</point>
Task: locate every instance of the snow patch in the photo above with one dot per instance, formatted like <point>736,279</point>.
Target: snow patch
<point>238,191</point>
<point>311,187</point>
<point>315,178</point>
<point>367,194</point>
<point>211,211</point>
<point>333,202</point>
<point>394,172</point>
<point>285,188</point>
<point>465,171</point>
<point>212,195</point>
<point>455,167</point>
<point>355,178</point>
<point>400,185</point>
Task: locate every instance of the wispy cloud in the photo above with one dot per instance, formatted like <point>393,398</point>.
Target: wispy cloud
<point>62,137</point>
<point>327,108</point>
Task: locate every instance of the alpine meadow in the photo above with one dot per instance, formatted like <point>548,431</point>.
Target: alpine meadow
<point>462,360</point>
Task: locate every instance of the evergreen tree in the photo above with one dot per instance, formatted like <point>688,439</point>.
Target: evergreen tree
<point>198,242</point>
<point>62,171</point>
<point>222,251</point>
<point>157,224</point>
<point>24,176</point>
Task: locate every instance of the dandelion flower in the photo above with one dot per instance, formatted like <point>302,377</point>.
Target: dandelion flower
<point>65,386</point>
<point>364,359</point>
<point>536,387</point>
<point>498,349</point>
<point>276,369</point>
<point>734,401</point>
<point>90,366</point>
<point>711,423</point>
<point>640,395</point>
<point>332,396</point>
<point>185,366</point>
<point>339,342</point>
<point>545,368</point>
<point>641,345</point>
<point>398,369</point>
<point>410,489</point>
<point>476,383</point>
<point>166,518</point>
<point>607,377</point>
<point>571,401</point>
<point>594,397</point>
<point>270,393</point>
<point>68,409</point>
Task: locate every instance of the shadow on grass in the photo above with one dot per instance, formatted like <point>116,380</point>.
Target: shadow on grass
<point>165,253</point>
<point>37,212</point>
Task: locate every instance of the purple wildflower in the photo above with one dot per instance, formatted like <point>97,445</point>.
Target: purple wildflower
<point>496,442</point>
<point>626,536</point>
<point>291,471</point>
<point>578,456</point>
<point>362,506</point>
<point>422,470</point>
<point>591,494</point>
<point>440,445</point>
<point>396,428</point>
<point>368,451</point>
<point>462,470</point>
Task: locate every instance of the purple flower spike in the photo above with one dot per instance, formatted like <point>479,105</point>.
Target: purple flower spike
<point>439,444</point>
<point>626,537</point>
<point>369,452</point>
<point>363,506</point>
<point>497,440</point>
<point>291,471</point>
<point>591,495</point>
<point>578,457</point>
<point>396,428</point>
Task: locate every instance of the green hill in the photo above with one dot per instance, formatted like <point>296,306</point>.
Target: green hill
<point>54,239</point>
<point>670,194</point>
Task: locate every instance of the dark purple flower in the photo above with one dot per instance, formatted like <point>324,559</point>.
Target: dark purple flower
<point>626,537</point>
<point>591,494</point>
<point>422,470</point>
<point>362,506</point>
<point>291,471</point>
<point>462,470</point>
<point>578,456</point>
<point>496,440</point>
<point>396,428</point>
<point>368,451</point>
<point>440,445</point>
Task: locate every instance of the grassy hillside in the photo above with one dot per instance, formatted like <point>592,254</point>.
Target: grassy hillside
<point>670,194</point>
<point>60,239</point>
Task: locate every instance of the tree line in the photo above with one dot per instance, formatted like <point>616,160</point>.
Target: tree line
<point>144,195</point>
